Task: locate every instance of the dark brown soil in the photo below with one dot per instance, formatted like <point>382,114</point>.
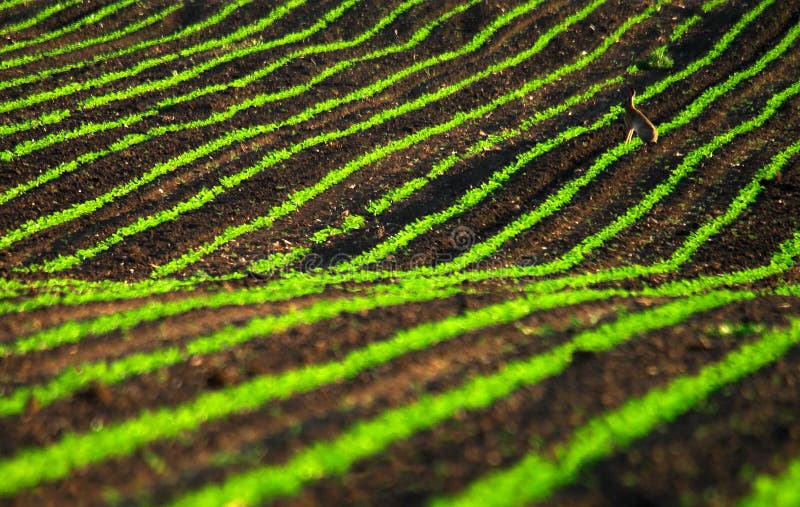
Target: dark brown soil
<point>708,456</point>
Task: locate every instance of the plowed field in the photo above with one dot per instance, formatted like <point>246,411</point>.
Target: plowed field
<point>361,252</point>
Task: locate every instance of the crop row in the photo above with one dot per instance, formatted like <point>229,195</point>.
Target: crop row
<point>109,77</point>
<point>557,200</point>
<point>617,429</point>
<point>275,156</point>
<point>29,78</point>
<point>74,331</point>
<point>38,17</point>
<point>240,135</point>
<point>25,470</point>
<point>257,101</point>
<point>82,44</point>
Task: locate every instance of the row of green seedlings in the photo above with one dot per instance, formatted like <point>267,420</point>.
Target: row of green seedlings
<point>73,332</point>
<point>237,36</point>
<point>378,206</point>
<point>75,296</point>
<point>29,295</point>
<point>368,438</point>
<point>606,434</point>
<point>25,470</point>
<point>43,300</point>
<point>300,197</point>
<point>71,380</point>
<point>70,47</point>
<point>89,19</point>
<point>217,117</point>
<point>563,196</point>
<point>578,253</point>
<point>271,159</point>
<point>38,17</point>
<point>248,47</point>
<point>29,78</point>
<point>8,4</point>
<point>243,134</point>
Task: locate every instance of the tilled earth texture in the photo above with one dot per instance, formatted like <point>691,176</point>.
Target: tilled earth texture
<point>398,253</point>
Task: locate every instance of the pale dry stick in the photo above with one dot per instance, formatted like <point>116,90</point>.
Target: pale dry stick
<point>635,120</point>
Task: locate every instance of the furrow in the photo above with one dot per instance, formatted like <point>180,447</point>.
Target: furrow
<point>621,428</point>
<point>300,197</point>
<point>259,100</point>
<point>557,200</point>
<point>223,42</point>
<point>271,158</point>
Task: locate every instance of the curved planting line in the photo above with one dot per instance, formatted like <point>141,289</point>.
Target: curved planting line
<point>81,44</point>
<point>224,12</point>
<point>77,330</point>
<point>11,3</point>
<point>228,56</point>
<point>71,292</point>
<point>300,197</point>
<point>275,156</point>
<point>74,331</point>
<point>259,100</point>
<point>39,17</point>
<point>380,205</point>
<point>781,261</point>
<point>71,380</point>
<point>25,469</point>
<point>89,19</point>
<point>109,77</point>
<point>367,438</point>
<point>607,434</point>
<point>243,134</point>
<point>578,253</point>
<point>47,118</point>
<point>564,195</point>
<point>775,491</point>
